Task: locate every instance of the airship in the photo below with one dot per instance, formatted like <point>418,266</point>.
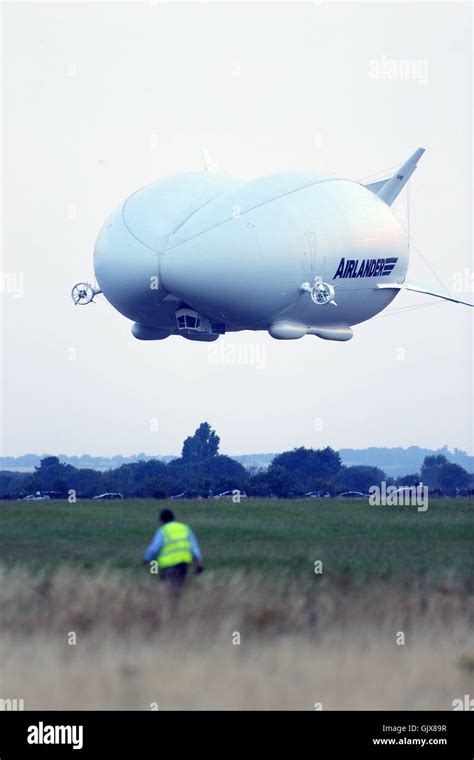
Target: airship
<point>298,253</point>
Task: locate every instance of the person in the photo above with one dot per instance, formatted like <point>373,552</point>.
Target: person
<point>174,546</point>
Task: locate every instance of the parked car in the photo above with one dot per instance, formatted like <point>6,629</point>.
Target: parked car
<point>231,494</point>
<point>317,495</point>
<point>187,495</point>
<point>38,496</point>
<point>351,495</point>
<point>108,496</point>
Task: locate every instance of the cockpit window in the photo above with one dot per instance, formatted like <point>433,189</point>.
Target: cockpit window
<point>189,321</point>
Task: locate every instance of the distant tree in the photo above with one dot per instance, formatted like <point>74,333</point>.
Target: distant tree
<point>443,476</point>
<point>453,478</point>
<point>259,484</point>
<point>217,473</point>
<point>49,473</point>
<point>281,482</point>
<point>409,480</point>
<point>431,469</point>
<point>224,474</point>
<point>48,462</point>
<point>359,478</point>
<point>202,445</point>
<point>13,484</point>
<point>139,479</point>
<point>87,482</point>
<point>222,466</point>
<point>252,470</point>
<point>60,485</point>
<point>309,469</point>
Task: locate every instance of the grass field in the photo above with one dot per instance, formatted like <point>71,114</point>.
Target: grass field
<point>270,536</point>
<point>388,574</point>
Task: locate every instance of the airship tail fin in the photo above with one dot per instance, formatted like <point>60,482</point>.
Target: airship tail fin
<point>422,289</point>
<point>209,165</point>
<point>388,189</point>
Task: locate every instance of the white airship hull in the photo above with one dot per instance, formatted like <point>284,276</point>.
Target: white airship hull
<point>295,254</point>
<point>241,257</point>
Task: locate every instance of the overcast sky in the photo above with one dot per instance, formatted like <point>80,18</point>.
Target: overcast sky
<point>102,98</point>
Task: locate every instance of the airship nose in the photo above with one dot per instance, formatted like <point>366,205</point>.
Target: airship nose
<point>365,239</point>
<point>126,269</point>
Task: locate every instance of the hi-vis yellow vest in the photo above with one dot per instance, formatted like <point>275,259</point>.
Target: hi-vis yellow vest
<point>176,545</point>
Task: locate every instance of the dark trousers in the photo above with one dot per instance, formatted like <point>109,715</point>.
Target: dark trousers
<point>176,574</point>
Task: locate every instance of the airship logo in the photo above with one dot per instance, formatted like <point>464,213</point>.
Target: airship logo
<point>365,268</point>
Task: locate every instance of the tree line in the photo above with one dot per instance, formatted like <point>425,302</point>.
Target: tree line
<point>201,471</point>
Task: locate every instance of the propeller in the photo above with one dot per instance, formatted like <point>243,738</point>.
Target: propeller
<point>83,293</point>
<point>321,292</point>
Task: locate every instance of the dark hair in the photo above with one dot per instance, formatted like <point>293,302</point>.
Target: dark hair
<point>166,516</point>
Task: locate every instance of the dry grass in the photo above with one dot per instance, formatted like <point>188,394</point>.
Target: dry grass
<point>300,643</point>
<point>284,673</point>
